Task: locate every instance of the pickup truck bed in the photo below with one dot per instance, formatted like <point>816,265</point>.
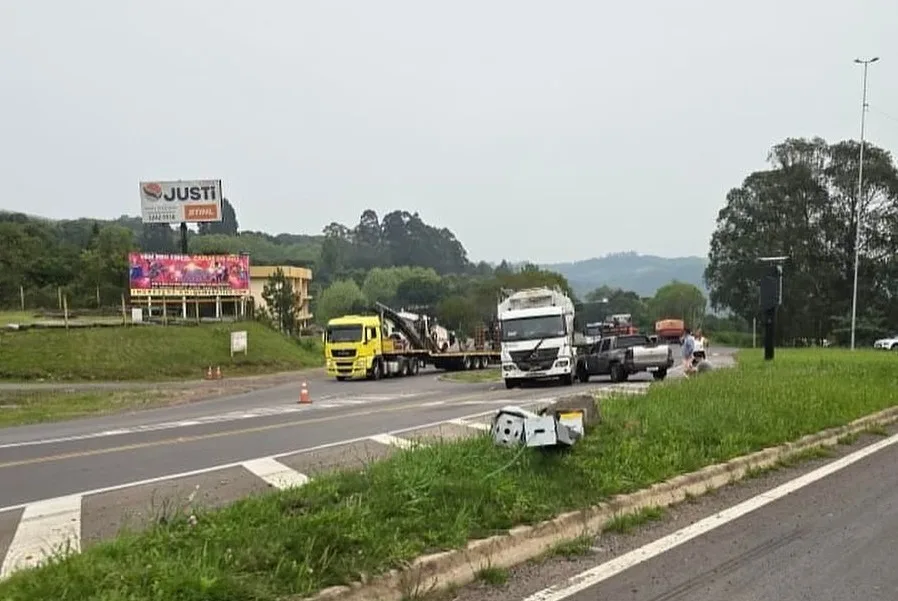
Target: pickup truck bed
<point>622,356</point>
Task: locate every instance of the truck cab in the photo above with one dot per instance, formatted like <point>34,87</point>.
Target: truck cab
<point>536,332</point>
<point>351,345</point>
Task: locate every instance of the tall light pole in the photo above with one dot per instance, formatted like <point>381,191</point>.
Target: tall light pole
<point>860,190</point>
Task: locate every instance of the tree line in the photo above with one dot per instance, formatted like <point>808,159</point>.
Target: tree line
<point>806,206</point>
<point>399,260</point>
<point>464,301</point>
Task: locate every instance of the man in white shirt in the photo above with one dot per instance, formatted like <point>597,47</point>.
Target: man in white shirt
<point>688,351</point>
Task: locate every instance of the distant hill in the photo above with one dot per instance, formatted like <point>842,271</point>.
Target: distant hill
<point>643,274</point>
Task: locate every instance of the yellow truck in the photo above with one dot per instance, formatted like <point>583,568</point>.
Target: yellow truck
<point>386,344</point>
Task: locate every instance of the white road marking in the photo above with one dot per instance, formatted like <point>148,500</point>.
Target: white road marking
<point>218,418</point>
<point>475,425</point>
<point>392,441</point>
<point>48,524</point>
<point>607,570</point>
<point>275,473</point>
<point>224,466</point>
<point>45,529</point>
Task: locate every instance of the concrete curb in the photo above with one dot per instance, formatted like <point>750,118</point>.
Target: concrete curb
<point>459,567</point>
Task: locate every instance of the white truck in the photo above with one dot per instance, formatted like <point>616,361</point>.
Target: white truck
<point>537,336</point>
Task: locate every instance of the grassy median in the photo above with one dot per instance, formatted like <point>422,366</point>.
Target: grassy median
<point>344,525</point>
<point>149,352</point>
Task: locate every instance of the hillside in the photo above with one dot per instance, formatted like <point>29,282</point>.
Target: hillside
<point>398,238</point>
<point>643,274</point>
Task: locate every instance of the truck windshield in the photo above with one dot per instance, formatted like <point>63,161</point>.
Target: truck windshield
<point>593,330</point>
<point>347,333</point>
<point>530,328</point>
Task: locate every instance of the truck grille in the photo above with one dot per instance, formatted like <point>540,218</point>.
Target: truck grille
<point>343,352</point>
<point>528,360</point>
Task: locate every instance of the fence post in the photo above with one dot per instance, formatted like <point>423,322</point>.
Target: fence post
<point>22,297</point>
<point>65,310</point>
<point>124,314</point>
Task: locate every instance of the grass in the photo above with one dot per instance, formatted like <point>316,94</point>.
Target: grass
<point>19,408</point>
<point>341,526</point>
<point>626,523</point>
<point>490,374</point>
<point>31,317</point>
<point>149,353</point>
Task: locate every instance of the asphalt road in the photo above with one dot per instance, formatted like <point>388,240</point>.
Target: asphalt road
<point>90,477</point>
<point>799,534</point>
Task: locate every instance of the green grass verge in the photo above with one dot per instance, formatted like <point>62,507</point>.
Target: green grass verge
<point>491,374</point>
<point>344,525</point>
<point>19,408</point>
<point>149,352</point>
<point>75,318</point>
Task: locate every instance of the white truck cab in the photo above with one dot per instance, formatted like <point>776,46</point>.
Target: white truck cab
<point>537,328</point>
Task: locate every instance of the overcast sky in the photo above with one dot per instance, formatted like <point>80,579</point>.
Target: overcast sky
<point>547,131</point>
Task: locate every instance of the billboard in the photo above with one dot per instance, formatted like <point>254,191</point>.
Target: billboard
<point>188,275</point>
<point>181,201</point>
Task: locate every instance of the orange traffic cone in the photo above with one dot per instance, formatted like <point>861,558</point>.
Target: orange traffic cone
<point>304,398</point>
<point>218,372</point>
<point>209,373</point>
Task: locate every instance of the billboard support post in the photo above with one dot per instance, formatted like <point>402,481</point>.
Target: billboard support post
<point>184,250</point>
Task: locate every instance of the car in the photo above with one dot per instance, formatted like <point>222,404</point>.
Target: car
<point>889,344</point>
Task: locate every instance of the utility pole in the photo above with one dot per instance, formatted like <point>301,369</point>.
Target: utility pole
<point>860,190</point>
<point>771,298</point>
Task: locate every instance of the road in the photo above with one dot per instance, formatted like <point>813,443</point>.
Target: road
<point>87,478</point>
<point>824,532</point>
<point>84,480</point>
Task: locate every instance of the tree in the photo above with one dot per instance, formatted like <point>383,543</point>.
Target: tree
<point>228,226</point>
<point>280,301</point>
<point>605,301</point>
<point>157,238</point>
<point>340,298</point>
<point>804,207</point>
<point>679,300</point>
<point>104,263</point>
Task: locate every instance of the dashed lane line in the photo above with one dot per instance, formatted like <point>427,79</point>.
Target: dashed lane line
<point>53,525</point>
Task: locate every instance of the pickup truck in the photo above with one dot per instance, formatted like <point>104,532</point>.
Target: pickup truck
<point>622,356</point>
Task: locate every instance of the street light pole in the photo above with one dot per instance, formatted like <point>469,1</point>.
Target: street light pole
<point>860,190</point>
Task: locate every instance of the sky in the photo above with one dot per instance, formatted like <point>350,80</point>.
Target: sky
<point>535,130</point>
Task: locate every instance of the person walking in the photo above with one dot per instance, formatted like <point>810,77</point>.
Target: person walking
<point>688,350</point>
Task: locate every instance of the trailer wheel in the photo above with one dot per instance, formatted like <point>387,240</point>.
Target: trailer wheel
<point>567,380</point>
<point>660,374</point>
<point>511,384</point>
<point>408,366</point>
<point>467,362</point>
<point>481,362</point>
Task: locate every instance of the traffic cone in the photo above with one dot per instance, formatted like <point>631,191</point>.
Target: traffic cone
<point>218,372</point>
<point>304,398</point>
<point>209,373</point>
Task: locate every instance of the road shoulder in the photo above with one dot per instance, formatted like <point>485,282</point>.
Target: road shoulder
<point>530,580</point>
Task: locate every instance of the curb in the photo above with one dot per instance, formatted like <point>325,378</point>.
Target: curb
<point>459,567</point>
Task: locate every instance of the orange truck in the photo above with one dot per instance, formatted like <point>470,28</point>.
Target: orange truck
<point>670,330</point>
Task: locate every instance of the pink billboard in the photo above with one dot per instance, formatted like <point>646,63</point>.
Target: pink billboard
<point>188,275</point>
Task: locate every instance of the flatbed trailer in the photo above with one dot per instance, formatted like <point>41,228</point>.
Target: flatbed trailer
<point>464,360</point>
<point>358,346</point>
